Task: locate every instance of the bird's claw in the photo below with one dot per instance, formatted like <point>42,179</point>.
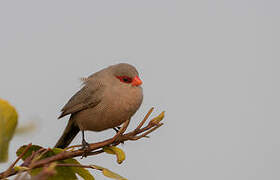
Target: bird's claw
<point>85,148</point>
<point>117,129</point>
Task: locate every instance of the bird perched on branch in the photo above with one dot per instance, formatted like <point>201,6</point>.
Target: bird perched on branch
<point>107,99</point>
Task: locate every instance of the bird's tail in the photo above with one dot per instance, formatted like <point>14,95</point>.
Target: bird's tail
<point>68,135</point>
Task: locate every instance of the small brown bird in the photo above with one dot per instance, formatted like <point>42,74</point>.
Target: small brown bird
<point>108,98</point>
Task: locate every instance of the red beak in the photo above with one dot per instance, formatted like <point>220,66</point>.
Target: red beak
<point>136,81</point>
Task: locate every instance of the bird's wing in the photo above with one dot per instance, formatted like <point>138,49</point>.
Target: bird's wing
<point>89,96</point>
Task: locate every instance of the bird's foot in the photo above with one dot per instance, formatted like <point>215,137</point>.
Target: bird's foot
<point>117,129</point>
<point>85,148</point>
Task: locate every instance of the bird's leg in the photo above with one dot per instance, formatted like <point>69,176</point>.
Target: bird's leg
<point>117,129</point>
<point>85,145</point>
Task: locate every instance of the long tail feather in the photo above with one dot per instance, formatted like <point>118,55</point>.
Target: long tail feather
<point>68,135</point>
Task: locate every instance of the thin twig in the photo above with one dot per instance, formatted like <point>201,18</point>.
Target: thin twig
<point>73,165</point>
<point>134,138</point>
<point>37,155</point>
<point>145,119</point>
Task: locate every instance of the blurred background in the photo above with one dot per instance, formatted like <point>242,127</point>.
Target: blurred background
<point>212,65</point>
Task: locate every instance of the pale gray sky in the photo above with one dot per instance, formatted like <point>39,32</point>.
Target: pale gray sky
<point>212,65</point>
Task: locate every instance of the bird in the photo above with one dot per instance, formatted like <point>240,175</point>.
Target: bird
<point>106,99</point>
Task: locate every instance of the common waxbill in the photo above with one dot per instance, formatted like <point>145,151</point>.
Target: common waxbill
<point>107,99</point>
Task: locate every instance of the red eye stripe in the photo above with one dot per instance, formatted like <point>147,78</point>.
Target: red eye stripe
<point>124,79</point>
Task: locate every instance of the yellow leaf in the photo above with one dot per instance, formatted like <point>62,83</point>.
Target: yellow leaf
<point>108,150</point>
<point>108,173</point>
<point>8,123</point>
<point>117,151</point>
<point>21,168</point>
<point>157,119</point>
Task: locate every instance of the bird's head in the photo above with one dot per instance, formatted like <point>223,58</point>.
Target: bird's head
<point>126,73</point>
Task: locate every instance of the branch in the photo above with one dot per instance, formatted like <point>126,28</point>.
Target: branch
<point>94,148</point>
<point>11,169</point>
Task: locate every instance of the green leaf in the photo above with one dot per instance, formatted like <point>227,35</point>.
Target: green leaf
<point>84,173</point>
<point>33,148</point>
<point>117,151</point>
<point>8,124</point>
<point>61,172</point>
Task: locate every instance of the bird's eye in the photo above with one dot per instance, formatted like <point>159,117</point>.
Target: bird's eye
<point>124,79</point>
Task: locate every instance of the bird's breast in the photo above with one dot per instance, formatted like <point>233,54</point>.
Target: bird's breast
<point>116,106</point>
